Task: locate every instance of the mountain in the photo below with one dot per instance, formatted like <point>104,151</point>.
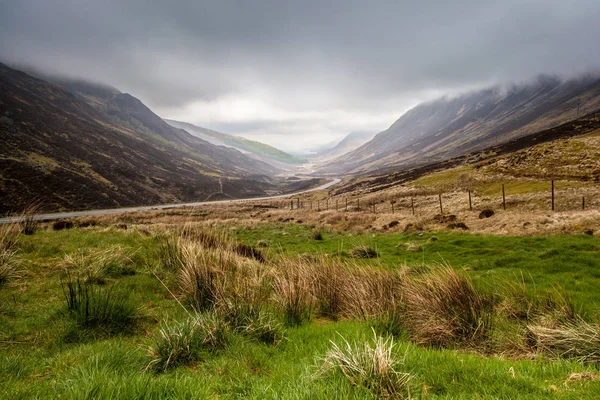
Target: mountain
<point>253,148</point>
<point>350,142</point>
<point>449,127</point>
<point>80,145</point>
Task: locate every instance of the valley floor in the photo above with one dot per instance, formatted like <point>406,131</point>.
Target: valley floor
<point>48,352</point>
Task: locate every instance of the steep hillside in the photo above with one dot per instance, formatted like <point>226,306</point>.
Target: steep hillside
<point>449,127</point>
<point>102,148</point>
<point>350,142</point>
<point>260,150</point>
<point>568,152</point>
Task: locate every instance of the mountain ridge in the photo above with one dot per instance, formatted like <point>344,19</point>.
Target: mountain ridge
<point>261,151</point>
<point>448,127</point>
<point>105,149</point>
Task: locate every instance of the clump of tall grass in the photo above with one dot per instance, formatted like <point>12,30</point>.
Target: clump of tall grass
<point>374,294</point>
<point>9,234</point>
<point>214,239</point>
<point>198,277</point>
<point>9,260</point>
<point>244,302</point>
<point>100,308</point>
<point>330,284</point>
<point>519,303</point>
<point>262,326</point>
<point>293,284</point>
<point>369,365</point>
<point>96,266</point>
<point>28,223</point>
<point>364,251</point>
<point>443,308</point>
<point>169,254</point>
<point>317,234</point>
<point>574,339</point>
<point>182,343</point>
<point>9,266</point>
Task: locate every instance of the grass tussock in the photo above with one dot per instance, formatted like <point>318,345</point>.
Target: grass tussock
<point>182,343</point>
<point>443,308</point>
<point>9,260</point>
<point>369,365</point>
<point>97,266</point>
<point>317,234</point>
<point>364,251</point>
<point>94,307</point>
<point>9,266</point>
<point>293,288</point>
<point>576,339</point>
<point>199,280</point>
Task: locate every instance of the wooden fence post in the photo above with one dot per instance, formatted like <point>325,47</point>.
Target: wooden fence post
<point>311,205</point>
<point>441,208</point>
<point>412,204</point>
<point>552,194</point>
<point>298,206</point>
<point>470,204</point>
<point>291,204</point>
<point>392,207</point>
<point>583,203</point>
<point>503,198</point>
<point>358,204</point>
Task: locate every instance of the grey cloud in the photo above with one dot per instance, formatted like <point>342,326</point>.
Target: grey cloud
<point>301,55</point>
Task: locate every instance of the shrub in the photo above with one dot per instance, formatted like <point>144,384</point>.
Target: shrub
<point>99,308</point>
<point>182,343</point>
<point>364,252</point>
<point>370,366</point>
<point>444,308</point>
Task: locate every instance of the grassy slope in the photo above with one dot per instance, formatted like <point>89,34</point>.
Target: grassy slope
<point>37,360</point>
<point>261,149</point>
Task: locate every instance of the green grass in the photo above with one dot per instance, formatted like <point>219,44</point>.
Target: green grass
<point>570,261</point>
<point>40,357</point>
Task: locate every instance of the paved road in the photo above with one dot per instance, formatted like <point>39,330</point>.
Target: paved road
<point>160,207</point>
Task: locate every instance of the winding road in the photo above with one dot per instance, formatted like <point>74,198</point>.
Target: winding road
<point>71,214</point>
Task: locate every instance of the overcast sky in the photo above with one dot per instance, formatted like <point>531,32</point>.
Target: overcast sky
<point>302,73</point>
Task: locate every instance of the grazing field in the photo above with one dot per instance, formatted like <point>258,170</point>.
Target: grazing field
<point>286,310</point>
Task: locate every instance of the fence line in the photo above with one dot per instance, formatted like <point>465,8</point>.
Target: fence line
<point>401,203</point>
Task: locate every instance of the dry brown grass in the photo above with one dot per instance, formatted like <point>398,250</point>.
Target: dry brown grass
<point>443,308</point>
<point>578,339</point>
<point>9,260</point>
<point>293,284</point>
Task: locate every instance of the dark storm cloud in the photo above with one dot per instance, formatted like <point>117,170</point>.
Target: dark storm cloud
<point>299,57</point>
